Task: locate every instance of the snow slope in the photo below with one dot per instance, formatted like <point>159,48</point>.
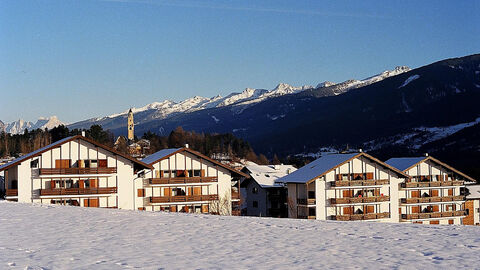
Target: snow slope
<point>58,237</point>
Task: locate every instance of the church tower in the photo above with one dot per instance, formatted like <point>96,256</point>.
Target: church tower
<point>130,126</point>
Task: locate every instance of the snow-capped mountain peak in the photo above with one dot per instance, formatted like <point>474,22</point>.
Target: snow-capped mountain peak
<point>19,126</point>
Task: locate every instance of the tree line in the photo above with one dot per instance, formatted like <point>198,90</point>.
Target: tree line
<point>227,144</point>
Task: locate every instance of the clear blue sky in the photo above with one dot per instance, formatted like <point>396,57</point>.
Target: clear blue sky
<point>79,59</point>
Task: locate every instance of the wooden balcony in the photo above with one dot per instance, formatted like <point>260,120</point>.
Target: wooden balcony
<point>235,195</point>
<point>306,201</point>
<point>307,217</point>
<point>353,200</point>
<point>431,184</point>
<point>368,216</point>
<point>432,199</point>
<point>77,191</point>
<point>355,183</point>
<point>11,192</point>
<point>194,198</point>
<point>180,180</point>
<point>434,215</point>
<point>62,171</point>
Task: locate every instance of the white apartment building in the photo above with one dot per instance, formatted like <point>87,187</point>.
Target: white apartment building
<point>73,171</point>
<point>184,180</point>
<point>433,193</point>
<point>354,186</point>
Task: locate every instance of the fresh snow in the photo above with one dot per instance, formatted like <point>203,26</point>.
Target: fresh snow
<point>409,80</point>
<point>62,237</point>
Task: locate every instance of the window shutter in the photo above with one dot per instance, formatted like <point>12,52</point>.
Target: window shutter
<point>369,175</point>
<point>52,184</point>
<point>81,183</point>
<point>140,192</point>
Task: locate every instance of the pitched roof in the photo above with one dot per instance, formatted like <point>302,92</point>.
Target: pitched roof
<point>165,153</point>
<point>66,140</point>
<point>405,164</point>
<point>325,164</point>
<point>474,191</point>
<point>266,175</point>
<point>157,156</point>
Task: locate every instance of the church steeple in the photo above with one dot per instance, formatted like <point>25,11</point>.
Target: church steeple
<point>130,126</point>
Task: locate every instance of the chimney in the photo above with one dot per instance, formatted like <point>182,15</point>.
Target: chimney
<point>83,133</point>
<point>426,154</point>
<point>186,145</point>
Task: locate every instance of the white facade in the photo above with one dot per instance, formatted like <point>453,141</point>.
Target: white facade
<point>74,171</point>
<point>358,187</point>
<point>183,180</point>
<point>433,194</point>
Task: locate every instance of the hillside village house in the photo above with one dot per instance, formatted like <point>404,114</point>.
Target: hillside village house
<point>183,180</point>
<point>354,186</point>
<point>263,196</point>
<point>73,171</point>
<point>472,205</point>
<point>434,193</point>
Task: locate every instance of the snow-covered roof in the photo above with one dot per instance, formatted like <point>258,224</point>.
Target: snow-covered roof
<point>317,168</point>
<point>266,175</point>
<point>474,192</point>
<point>160,155</point>
<point>404,163</point>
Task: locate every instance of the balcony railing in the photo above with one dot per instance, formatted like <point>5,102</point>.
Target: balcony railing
<point>432,199</point>
<point>307,217</point>
<point>359,200</point>
<point>306,201</point>
<point>235,195</point>
<point>431,184</point>
<point>434,215</point>
<point>77,191</point>
<point>99,170</point>
<point>360,183</point>
<point>11,192</point>
<point>179,180</point>
<point>368,216</point>
<point>194,198</point>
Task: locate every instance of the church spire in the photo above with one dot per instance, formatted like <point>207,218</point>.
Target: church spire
<point>130,126</point>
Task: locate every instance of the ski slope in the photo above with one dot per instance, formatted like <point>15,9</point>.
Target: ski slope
<point>62,237</point>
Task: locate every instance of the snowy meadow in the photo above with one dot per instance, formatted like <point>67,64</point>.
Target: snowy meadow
<point>63,237</point>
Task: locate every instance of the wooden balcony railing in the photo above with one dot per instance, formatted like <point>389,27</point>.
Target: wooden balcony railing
<point>307,217</point>
<point>11,192</point>
<point>431,184</point>
<point>99,170</point>
<point>77,191</point>
<point>432,199</point>
<point>235,195</point>
<point>434,215</point>
<point>180,180</point>
<point>359,200</point>
<point>361,216</point>
<point>360,183</point>
<point>193,198</point>
<point>306,201</point>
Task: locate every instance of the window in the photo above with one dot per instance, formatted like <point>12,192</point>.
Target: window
<point>255,204</point>
<point>14,184</point>
<point>254,190</point>
<point>34,163</point>
<point>197,173</point>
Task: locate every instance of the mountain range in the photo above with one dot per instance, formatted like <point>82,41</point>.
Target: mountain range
<point>19,126</point>
<point>236,102</point>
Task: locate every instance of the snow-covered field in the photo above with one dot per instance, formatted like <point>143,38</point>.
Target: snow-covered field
<point>60,237</point>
